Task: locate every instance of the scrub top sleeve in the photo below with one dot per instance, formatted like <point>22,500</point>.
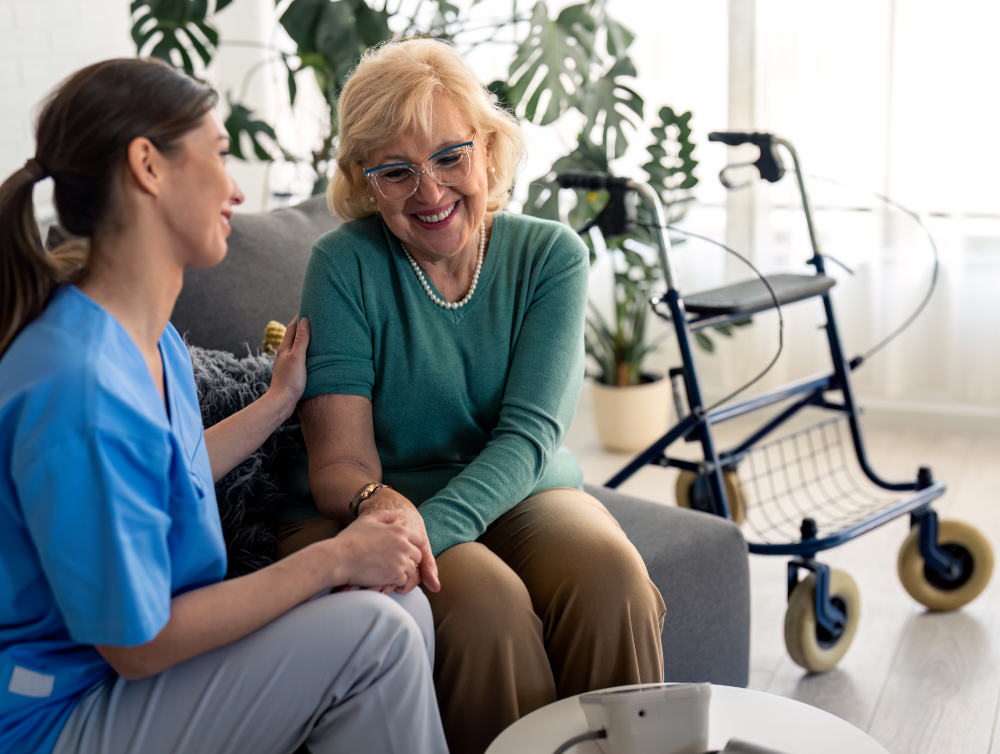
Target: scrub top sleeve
<point>96,508</point>
<point>340,358</point>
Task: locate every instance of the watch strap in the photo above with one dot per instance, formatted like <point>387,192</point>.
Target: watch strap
<point>366,492</point>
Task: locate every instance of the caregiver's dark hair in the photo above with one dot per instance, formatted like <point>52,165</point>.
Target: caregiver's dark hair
<point>82,138</point>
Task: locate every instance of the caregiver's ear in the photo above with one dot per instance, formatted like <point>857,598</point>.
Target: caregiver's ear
<point>144,164</point>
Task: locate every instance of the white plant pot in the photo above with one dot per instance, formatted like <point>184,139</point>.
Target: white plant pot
<point>631,418</point>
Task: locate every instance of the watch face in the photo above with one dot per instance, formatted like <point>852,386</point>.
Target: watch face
<point>369,490</point>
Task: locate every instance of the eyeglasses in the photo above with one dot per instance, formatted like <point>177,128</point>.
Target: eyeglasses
<point>399,180</point>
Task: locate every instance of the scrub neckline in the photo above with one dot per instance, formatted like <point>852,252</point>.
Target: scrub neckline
<point>166,401</point>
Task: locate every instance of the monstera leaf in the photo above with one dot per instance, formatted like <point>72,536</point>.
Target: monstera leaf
<point>605,100</point>
<point>332,34</point>
<point>241,121</point>
<point>543,194</point>
<point>181,25</point>
<point>555,59</point>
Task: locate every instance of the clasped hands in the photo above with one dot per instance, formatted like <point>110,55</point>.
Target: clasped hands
<point>388,546</point>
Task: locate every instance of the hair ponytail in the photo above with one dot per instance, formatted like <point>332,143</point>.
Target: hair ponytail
<point>82,139</point>
<point>27,273</point>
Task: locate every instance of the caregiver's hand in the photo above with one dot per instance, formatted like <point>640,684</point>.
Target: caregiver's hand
<point>378,550</point>
<point>386,500</point>
<point>234,438</point>
<point>288,377</point>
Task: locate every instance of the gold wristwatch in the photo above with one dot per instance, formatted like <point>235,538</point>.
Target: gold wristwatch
<point>366,492</point>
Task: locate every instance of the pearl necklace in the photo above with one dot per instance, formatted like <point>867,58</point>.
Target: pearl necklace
<point>427,286</point>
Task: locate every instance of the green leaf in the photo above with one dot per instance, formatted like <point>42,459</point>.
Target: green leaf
<point>609,97</point>
<point>300,20</point>
<point>203,53</point>
<point>292,87</point>
<point>543,200</point>
<point>704,341</point>
<point>337,31</point>
<point>619,38</point>
<point>210,33</point>
<point>241,121</point>
<point>553,59</point>
<point>373,25</point>
<point>444,7</point>
<point>586,156</point>
<point>671,169</point>
<point>180,26</point>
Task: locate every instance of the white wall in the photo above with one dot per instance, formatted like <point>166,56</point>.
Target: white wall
<point>42,42</point>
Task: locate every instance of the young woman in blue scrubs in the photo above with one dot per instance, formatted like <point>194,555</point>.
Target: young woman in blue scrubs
<point>117,632</point>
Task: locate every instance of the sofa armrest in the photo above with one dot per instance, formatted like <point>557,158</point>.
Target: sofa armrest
<point>699,564</point>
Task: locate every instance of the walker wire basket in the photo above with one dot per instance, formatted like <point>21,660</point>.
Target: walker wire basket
<point>807,474</point>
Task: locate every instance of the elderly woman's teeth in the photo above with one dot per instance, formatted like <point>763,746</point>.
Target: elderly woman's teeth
<point>438,217</point>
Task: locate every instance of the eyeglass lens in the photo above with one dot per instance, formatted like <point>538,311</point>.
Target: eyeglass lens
<point>447,168</point>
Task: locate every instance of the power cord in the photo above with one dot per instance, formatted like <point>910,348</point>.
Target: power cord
<point>590,736</point>
<point>858,360</point>
<point>770,290</point>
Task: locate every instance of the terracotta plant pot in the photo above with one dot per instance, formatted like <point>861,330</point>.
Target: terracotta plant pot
<point>632,418</point>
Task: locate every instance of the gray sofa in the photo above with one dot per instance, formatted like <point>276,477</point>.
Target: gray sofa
<point>699,562</point>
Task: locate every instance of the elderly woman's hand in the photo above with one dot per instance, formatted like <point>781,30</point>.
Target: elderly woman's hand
<point>387,500</point>
<point>377,551</point>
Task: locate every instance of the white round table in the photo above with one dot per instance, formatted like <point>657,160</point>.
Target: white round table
<point>764,719</point>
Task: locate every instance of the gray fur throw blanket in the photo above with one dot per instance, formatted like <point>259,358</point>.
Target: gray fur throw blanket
<point>249,496</point>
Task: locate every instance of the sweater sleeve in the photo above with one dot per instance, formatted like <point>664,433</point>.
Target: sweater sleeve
<point>539,401</point>
<point>339,358</point>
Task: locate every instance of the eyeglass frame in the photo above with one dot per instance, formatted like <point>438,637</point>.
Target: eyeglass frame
<point>471,145</point>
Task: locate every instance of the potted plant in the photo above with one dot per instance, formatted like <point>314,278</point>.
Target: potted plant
<point>631,407</point>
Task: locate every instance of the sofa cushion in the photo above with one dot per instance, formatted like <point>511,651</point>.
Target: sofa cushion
<point>227,307</point>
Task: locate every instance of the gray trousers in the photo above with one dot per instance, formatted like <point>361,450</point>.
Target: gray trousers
<point>346,672</point>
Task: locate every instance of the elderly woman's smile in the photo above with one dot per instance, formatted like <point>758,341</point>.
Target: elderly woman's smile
<point>436,218</point>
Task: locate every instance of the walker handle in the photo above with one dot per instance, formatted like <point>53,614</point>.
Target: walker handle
<point>590,181</point>
<point>735,138</point>
<point>769,163</point>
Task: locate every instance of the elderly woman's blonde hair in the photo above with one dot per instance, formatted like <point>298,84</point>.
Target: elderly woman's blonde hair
<point>392,91</point>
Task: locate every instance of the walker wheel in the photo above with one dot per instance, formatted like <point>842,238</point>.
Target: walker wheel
<point>734,494</point>
<point>926,586</point>
<point>809,644</point>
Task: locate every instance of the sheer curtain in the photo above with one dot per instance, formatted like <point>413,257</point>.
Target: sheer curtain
<point>890,96</point>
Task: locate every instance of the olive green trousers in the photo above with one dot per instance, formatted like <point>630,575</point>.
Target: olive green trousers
<point>551,601</point>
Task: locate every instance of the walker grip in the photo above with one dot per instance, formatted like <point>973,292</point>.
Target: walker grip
<point>769,163</point>
<point>731,138</point>
<point>586,180</point>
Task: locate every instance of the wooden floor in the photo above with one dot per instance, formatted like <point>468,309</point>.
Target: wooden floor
<point>919,683</point>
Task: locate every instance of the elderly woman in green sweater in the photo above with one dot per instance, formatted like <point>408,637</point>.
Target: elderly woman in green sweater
<point>444,369</point>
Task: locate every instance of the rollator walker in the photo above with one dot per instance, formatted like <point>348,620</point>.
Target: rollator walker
<point>800,494</point>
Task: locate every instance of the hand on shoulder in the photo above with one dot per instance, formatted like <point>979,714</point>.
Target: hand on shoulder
<point>288,379</point>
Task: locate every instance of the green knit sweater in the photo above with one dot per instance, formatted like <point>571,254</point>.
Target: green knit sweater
<point>469,405</point>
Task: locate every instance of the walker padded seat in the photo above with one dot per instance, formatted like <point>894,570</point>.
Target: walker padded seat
<point>751,296</point>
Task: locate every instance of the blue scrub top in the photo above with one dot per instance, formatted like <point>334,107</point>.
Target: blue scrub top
<point>107,508</point>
